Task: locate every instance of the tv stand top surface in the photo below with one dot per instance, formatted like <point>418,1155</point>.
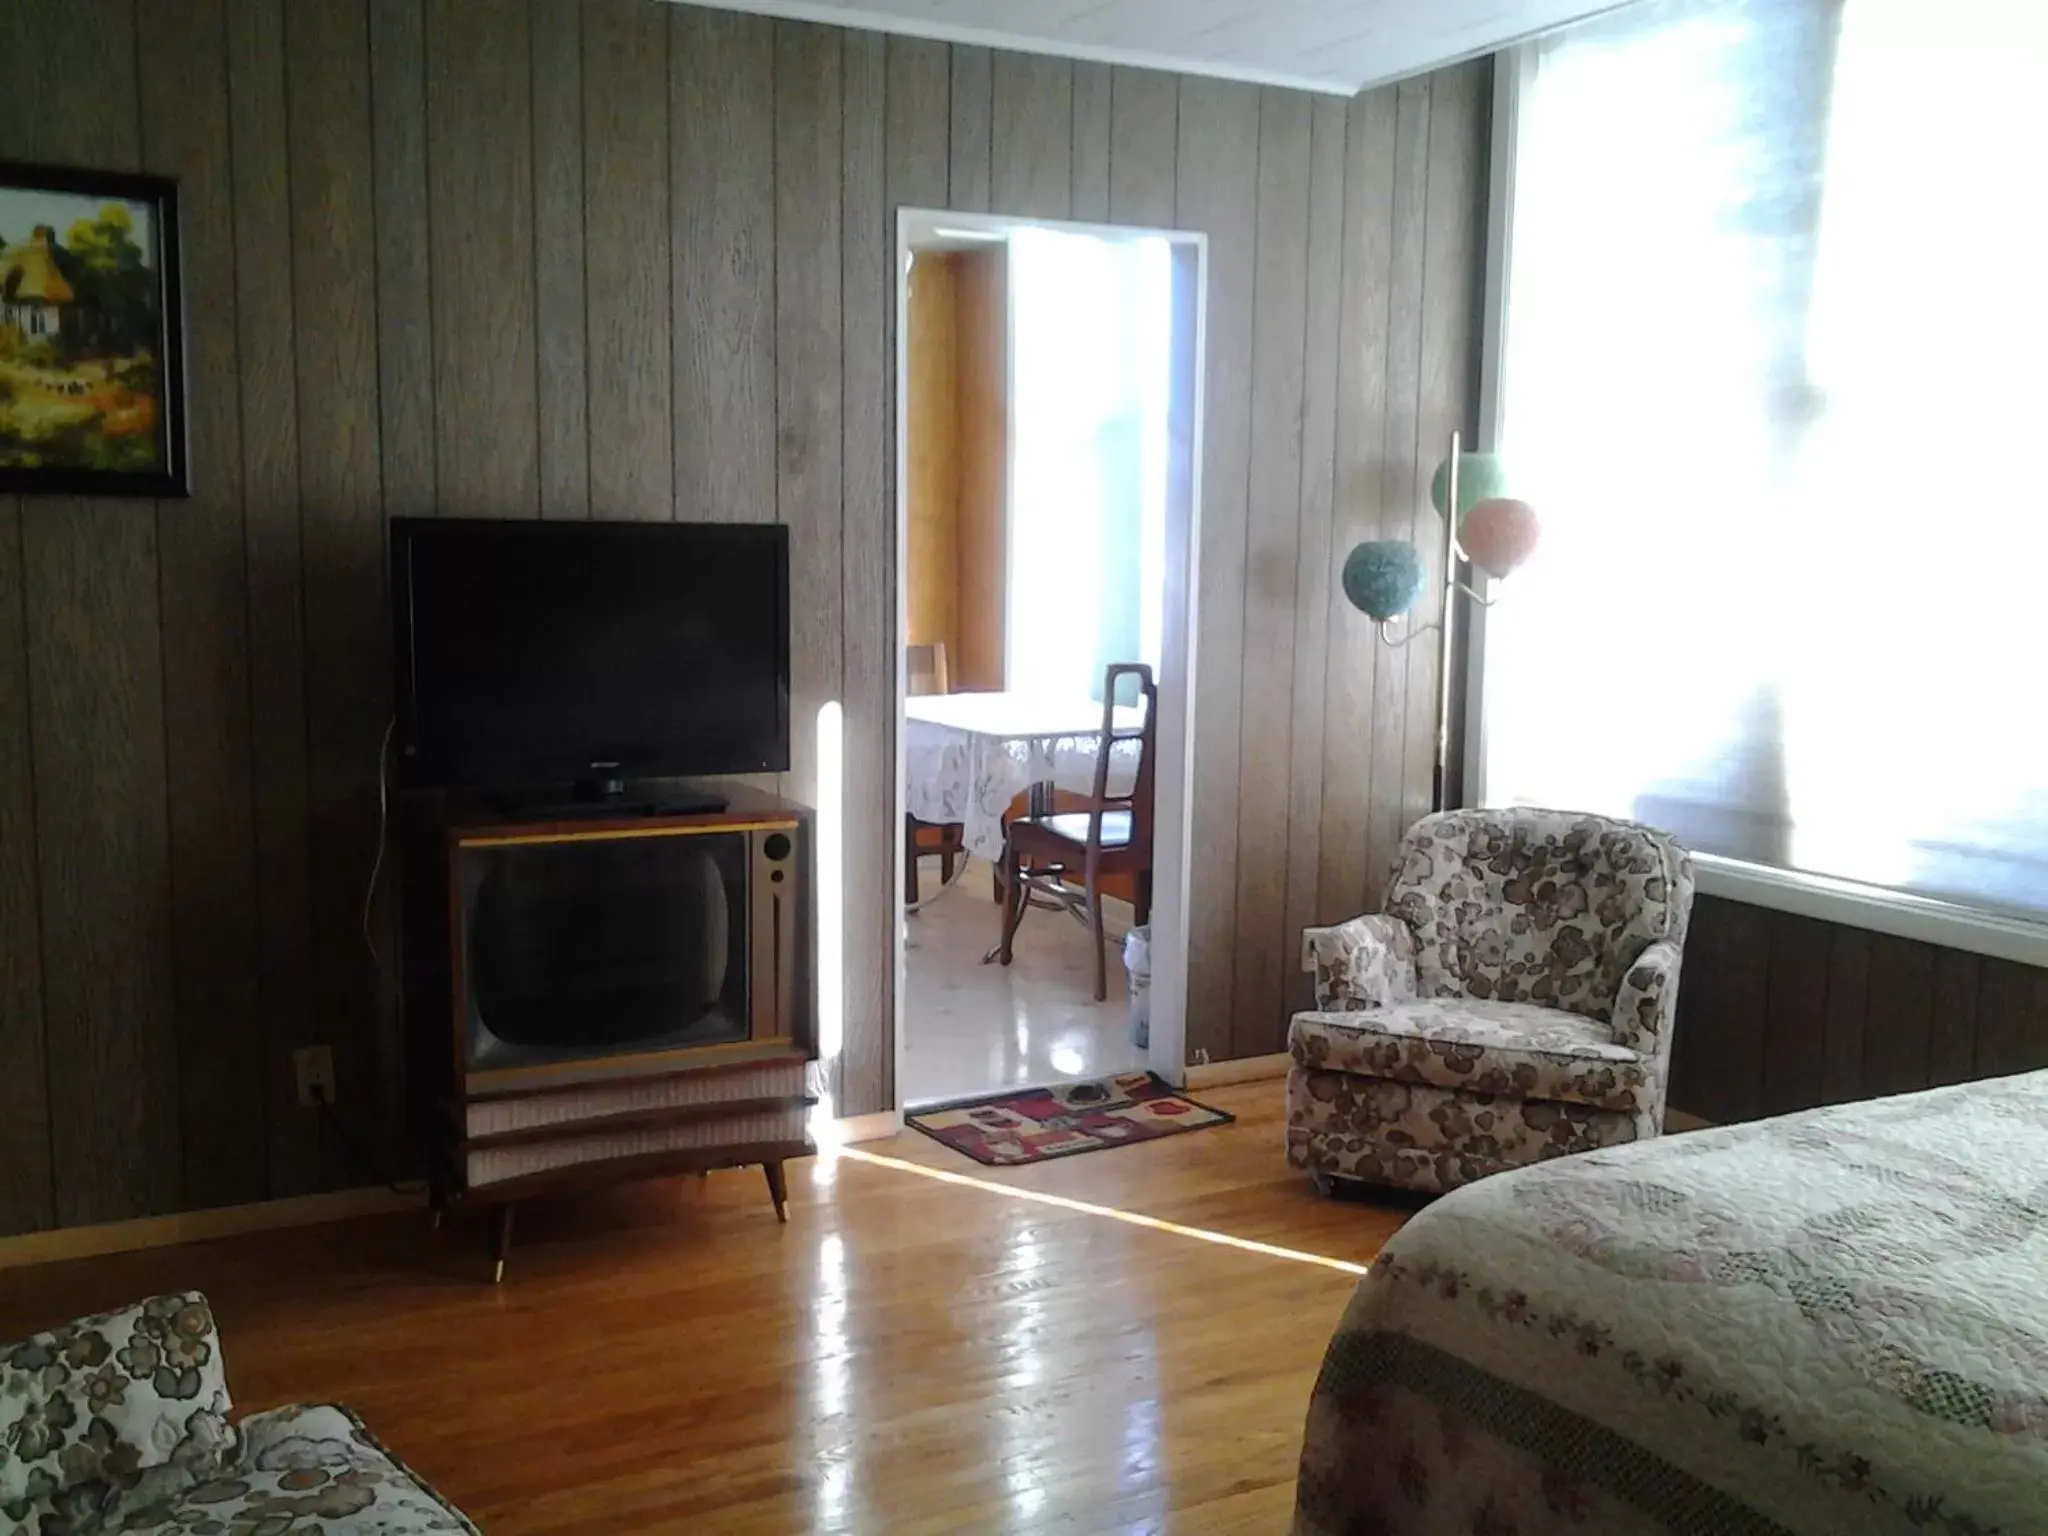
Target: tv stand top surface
<point>646,807</point>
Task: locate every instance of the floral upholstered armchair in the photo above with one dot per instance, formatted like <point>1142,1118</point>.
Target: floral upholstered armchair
<point>120,1423</point>
<point>1514,1002</point>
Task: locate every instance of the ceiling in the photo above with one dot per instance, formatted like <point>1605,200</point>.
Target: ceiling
<point>1318,45</point>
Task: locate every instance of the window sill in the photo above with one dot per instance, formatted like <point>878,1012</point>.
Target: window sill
<point>1874,908</point>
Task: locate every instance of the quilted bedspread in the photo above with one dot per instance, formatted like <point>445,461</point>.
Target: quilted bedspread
<point>1831,1322</point>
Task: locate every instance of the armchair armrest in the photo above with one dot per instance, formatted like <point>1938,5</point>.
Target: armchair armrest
<point>112,1403</point>
<point>1646,1005</point>
<point>1368,962</point>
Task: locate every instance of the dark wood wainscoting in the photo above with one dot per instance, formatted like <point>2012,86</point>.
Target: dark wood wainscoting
<point>1778,1012</point>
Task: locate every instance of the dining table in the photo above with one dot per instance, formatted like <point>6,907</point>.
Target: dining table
<point>967,756</point>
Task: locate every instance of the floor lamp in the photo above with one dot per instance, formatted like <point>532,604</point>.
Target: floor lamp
<point>1383,578</point>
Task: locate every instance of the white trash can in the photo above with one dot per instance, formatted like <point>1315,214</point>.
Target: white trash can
<point>1138,967</point>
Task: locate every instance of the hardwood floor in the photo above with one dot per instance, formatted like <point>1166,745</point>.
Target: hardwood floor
<point>910,1354</point>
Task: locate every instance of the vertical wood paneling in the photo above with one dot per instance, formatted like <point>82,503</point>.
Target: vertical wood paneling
<point>1032,148</point>
<point>1842,1032</point>
<point>808,366</point>
<point>1217,192</point>
<point>27,1196</point>
<point>626,258</point>
<point>277,657</point>
<point>1951,1037</point>
<point>96,676</point>
<point>1351,664</point>
<point>868,577</point>
<point>1718,1052</point>
<point>2012,1019</point>
<point>1272,554</point>
<point>1314,571</point>
<point>1404,514</point>
<point>722,115</point>
<point>480,188</point>
<point>971,116</point>
<point>223,1094</point>
<point>1794,1061</point>
<point>1089,198</point>
<point>1900,1017</point>
<point>347,638</point>
<point>406,394</point>
<point>1447,385</point>
<point>920,132</point>
<point>560,334</point>
<point>1144,146</point>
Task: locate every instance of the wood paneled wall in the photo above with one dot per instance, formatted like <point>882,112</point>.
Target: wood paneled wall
<point>1778,1012</point>
<point>931,444</point>
<point>982,533</point>
<point>627,259</point>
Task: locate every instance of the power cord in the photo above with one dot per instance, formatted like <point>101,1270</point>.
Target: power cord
<point>359,1152</point>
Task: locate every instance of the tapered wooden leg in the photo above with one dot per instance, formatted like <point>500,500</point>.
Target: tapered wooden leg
<point>946,867</point>
<point>778,1190</point>
<point>1013,899</point>
<point>1141,912</point>
<point>909,861</point>
<point>501,1239</point>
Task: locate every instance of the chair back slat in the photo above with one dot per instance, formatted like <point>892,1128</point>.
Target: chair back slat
<point>1139,800</point>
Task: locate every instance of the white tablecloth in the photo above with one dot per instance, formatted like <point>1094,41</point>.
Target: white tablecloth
<point>968,755</point>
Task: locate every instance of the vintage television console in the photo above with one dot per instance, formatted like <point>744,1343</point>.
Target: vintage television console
<point>609,995</point>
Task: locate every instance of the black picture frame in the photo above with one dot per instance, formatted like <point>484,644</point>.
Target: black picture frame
<point>170,475</point>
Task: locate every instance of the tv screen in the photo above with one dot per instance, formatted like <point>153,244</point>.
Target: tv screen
<point>537,653</point>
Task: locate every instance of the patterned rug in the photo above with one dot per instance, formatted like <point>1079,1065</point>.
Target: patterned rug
<point>1031,1125</point>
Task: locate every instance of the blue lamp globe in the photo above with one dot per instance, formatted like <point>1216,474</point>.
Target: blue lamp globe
<point>1383,578</point>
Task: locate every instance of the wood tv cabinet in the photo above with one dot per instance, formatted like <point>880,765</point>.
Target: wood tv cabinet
<point>601,997</point>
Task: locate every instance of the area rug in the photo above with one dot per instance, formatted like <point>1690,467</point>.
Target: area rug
<point>1031,1125</point>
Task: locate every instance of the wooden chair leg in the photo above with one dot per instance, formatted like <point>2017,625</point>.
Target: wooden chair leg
<point>1013,900</point>
<point>778,1190</point>
<point>1095,931</point>
<point>1141,908</point>
<point>946,866</point>
<point>909,859</point>
<point>501,1239</point>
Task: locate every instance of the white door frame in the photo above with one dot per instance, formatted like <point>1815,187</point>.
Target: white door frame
<point>1174,774</point>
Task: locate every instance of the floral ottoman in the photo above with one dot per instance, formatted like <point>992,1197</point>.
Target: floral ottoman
<point>119,1423</point>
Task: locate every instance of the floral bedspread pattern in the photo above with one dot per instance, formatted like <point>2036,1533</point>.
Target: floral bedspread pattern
<point>1515,1001</point>
<point>119,1423</point>
<point>1830,1322</point>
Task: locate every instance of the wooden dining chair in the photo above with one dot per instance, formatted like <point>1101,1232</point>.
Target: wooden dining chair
<point>925,673</point>
<point>1112,837</point>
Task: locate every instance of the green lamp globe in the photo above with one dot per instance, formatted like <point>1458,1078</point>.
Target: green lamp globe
<point>1480,478</point>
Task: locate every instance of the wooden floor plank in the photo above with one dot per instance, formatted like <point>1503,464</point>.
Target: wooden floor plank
<point>907,1354</point>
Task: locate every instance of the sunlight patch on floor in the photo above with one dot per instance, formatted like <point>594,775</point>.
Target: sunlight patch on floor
<point>1087,1208</point>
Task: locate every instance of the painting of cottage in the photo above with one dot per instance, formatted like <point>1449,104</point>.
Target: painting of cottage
<point>82,338</point>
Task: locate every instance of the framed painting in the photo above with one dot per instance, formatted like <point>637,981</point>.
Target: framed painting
<point>92,381</point>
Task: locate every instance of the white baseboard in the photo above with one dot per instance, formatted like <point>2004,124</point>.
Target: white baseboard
<point>1246,1069</point>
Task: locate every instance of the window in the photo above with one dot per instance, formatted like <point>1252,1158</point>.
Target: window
<point>1772,372</point>
<point>1091,344</point>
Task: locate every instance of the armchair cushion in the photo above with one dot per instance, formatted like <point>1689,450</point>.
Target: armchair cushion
<point>1368,962</point>
<point>1535,906</point>
<point>306,1469</point>
<point>1515,1049</point>
<point>98,1408</point>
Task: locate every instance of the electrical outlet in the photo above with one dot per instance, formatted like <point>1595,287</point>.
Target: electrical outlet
<point>314,1065</point>
<point>1201,1055</point>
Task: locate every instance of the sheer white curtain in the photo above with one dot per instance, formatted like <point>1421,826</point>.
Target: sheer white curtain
<point>1091,325</point>
<point>1773,373</point>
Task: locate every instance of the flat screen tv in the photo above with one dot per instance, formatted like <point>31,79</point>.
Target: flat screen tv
<point>536,653</point>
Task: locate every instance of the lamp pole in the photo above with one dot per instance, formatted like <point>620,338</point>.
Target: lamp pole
<point>1447,633</point>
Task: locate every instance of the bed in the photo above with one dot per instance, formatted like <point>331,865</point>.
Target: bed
<point>1831,1322</point>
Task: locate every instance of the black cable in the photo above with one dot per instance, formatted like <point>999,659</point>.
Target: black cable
<point>362,1154</point>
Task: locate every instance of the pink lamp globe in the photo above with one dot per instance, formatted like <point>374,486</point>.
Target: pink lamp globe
<point>1499,534</point>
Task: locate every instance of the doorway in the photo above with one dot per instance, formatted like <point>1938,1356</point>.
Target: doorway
<point>1048,443</point>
